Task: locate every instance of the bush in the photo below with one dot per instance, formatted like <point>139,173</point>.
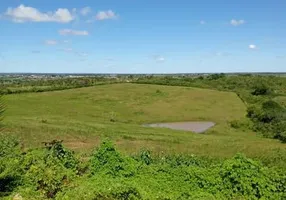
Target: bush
<point>116,190</point>
<point>145,157</point>
<point>216,76</point>
<point>45,173</point>
<point>65,156</point>
<point>50,173</point>
<point>50,169</point>
<point>248,178</point>
<point>125,193</point>
<point>240,124</point>
<point>281,136</point>
<point>280,130</point>
<point>109,161</point>
<point>10,165</point>
<point>261,89</point>
<point>269,118</point>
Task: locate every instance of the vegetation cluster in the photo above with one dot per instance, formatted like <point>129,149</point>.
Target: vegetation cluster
<point>55,172</point>
<point>25,85</point>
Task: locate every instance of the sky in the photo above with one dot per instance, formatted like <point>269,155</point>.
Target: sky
<point>150,36</point>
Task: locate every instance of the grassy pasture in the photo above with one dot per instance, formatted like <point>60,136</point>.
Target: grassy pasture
<point>82,117</point>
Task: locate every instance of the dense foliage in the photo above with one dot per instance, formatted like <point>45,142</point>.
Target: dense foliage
<point>27,84</point>
<point>54,172</point>
<point>259,93</point>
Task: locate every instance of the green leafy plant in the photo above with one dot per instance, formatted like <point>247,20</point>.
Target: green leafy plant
<point>65,156</point>
<point>248,178</point>
<point>10,164</point>
<point>109,161</point>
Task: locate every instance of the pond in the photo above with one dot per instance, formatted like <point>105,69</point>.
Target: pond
<point>197,127</point>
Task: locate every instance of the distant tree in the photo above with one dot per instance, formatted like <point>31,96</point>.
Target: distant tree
<point>216,76</point>
<point>261,89</point>
<point>130,76</point>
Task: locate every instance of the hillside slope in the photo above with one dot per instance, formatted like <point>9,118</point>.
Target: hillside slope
<point>81,117</point>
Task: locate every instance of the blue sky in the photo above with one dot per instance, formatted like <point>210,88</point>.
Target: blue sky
<point>127,36</point>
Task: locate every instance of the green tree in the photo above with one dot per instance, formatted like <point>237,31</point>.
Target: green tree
<point>261,89</point>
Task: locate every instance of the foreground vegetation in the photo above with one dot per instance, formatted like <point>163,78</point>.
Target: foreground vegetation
<point>55,172</point>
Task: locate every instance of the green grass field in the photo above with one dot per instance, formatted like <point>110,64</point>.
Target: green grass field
<point>82,117</point>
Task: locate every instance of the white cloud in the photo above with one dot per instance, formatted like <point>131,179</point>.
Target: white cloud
<point>236,22</point>
<point>85,11</point>
<point>252,46</point>
<point>202,22</point>
<point>159,59</point>
<point>29,14</point>
<point>104,15</point>
<point>51,42</point>
<point>73,32</point>
<point>66,41</point>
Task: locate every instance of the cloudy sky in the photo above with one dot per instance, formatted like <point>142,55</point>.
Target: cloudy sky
<point>127,36</point>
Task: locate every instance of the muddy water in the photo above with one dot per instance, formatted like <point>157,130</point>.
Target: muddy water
<point>197,127</point>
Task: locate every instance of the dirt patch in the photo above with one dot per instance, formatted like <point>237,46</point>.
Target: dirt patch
<point>76,144</point>
<point>197,127</point>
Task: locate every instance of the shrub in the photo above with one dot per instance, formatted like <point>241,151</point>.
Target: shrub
<point>109,161</point>
<point>240,124</point>
<point>45,173</point>
<point>216,76</point>
<point>65,156</point>
<point>280,130</point>
<point>261,89</point>
<point>281,136</point>
<point>44,121</point>
<point>158,91</point>
<point>145,157</point>
<point>10,162</point>
<point>269,118</point>
<point>248,178</point>
<point>125,193</point>
<point>50,169</point>
<point>115,190</point>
